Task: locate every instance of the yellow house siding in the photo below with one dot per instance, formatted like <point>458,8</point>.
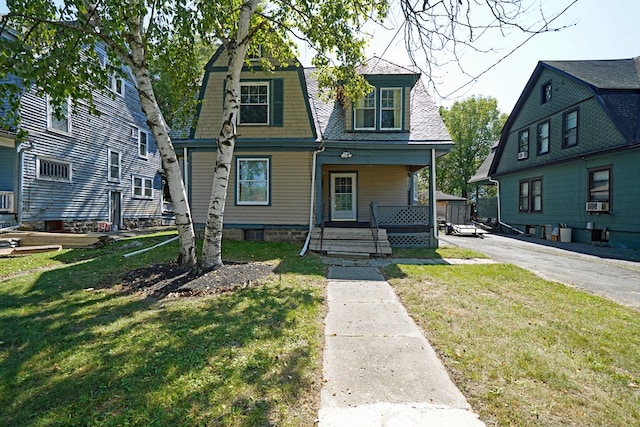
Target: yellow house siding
<point>387,185</point>
<point>297,123</point>
<point>290,190</point>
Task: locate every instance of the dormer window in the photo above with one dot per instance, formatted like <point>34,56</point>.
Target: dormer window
<point>391,108</point>
<point>365,112</point>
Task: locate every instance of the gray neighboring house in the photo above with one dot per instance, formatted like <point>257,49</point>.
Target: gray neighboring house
<point>81,172</point>
<point>569,153</point>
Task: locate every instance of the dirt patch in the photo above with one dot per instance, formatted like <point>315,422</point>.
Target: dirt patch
<point>171,280</point>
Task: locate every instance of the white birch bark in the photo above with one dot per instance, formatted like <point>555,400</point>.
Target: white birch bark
<point>236,50</point>
<point>170,164</point>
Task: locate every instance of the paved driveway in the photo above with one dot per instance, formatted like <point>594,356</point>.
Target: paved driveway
<point>609,272</point>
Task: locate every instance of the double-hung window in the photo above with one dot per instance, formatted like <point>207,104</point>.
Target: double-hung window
<point>115,83</point>
<point>254,103</point>
<point>115,166</point>
<point>543,138</point>
<point>58,117</point>
<point>143,144</point>
<point>530,195</point>
<point>390,108</point>
<point>570,128</point>
<point>600,185</point>
<point>53,169</point>
<point>523,144</point>
<point>142,188</point>
<point>365,112</point>
<point>252,181</point>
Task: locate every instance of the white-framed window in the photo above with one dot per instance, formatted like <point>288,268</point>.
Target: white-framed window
<point>252,181</point>
<point>115,83</point>
<point>391,108</point>
<point>141,187</point>
<point>53,170</point>
<point>570,128</point>
<point>143,144</point>
<point>115,166</point>
<point>543,137</point>
<point>254,103</point>
<point>365,112</point>
<point>59,121</point>
<point>523,144</point>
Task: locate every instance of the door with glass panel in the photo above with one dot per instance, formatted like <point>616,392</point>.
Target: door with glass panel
<point>343,197</point>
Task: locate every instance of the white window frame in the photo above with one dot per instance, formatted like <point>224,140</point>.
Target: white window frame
<point>115,83</point>
<point>397,109</point>
<point>51,117</point>
<point>145,154</point>
<point>364,104</point>
<point>62,163</point>
<point>267,180</point>
<point>268,103</point>
<point>110,165</point>
<point>142,191</point>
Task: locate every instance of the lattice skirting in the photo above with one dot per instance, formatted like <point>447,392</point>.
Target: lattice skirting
<point>406,240</point>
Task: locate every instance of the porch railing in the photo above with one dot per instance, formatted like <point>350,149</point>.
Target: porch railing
<point>406,225</point>
<point>6,202</point>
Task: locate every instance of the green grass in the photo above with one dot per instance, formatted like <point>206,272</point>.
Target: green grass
<point>74,352</point>
<point>430,253</point>
<point>526,351</point>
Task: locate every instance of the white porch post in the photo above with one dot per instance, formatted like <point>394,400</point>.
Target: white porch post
<point>432,201</point>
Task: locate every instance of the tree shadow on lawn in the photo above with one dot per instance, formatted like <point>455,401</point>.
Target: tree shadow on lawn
<point>72,353</point>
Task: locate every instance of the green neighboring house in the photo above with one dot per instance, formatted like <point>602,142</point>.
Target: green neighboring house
<point>570,152</point>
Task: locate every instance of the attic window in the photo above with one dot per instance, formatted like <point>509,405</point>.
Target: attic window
<point>365,112</point>
<point>390,108</point>
<point>254,103</point>
<point>547,93</point>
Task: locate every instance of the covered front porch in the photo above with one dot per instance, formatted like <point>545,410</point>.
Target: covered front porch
<point>367,200</point>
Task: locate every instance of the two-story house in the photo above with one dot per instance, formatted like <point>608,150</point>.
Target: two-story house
<point>570,150</point>
<point>301,162</point>
<point>77,171</point>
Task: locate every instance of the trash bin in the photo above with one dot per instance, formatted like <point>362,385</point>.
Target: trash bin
<point>565,235</point>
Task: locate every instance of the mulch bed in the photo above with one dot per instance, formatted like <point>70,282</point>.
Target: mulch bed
<point>171,280</point>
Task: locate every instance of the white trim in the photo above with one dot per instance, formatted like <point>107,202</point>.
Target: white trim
<point>268,104</point>
<point>143,187</point>
<point>267,201</point>
<point>146,145</point>
<point>50,117</point>
<point>375,116</point>
<point>69,165</point>
<point>109,177</point>
<point>398,108</point>
<point>351,215</point>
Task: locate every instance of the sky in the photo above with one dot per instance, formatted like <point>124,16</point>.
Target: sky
<point>596,30</point>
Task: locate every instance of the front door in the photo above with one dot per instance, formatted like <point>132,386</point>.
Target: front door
<point>115,209</point>
<point>343,197</point>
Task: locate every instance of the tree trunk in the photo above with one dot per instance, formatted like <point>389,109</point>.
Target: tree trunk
<point>155,120</point>
<point>236,50</point>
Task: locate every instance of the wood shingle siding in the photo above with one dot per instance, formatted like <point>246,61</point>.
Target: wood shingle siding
<point>289,191</point>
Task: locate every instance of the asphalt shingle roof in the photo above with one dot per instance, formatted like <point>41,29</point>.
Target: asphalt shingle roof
<point>603,74</point>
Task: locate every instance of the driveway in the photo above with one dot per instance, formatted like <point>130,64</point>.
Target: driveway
<point>609,272</point>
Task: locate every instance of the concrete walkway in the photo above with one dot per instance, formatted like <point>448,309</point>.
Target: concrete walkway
<point>379,370</point>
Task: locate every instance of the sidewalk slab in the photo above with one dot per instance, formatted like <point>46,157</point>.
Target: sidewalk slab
<point>379,369</point>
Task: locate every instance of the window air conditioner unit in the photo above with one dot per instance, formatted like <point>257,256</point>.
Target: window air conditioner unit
<point>523,155</point>
<point>597,206</point>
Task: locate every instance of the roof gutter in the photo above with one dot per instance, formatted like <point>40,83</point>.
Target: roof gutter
<point>312,199</point>
<point>499,217</point>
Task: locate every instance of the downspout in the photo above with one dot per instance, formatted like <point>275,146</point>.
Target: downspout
<point>311,202</point>
<point>185,153</point>
<point>499,217</point>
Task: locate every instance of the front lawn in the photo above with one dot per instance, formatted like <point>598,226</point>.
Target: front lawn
<point>526,351</point>
<point>76,349</point>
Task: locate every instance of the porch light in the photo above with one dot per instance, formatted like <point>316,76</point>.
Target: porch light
<point>346,155</point>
